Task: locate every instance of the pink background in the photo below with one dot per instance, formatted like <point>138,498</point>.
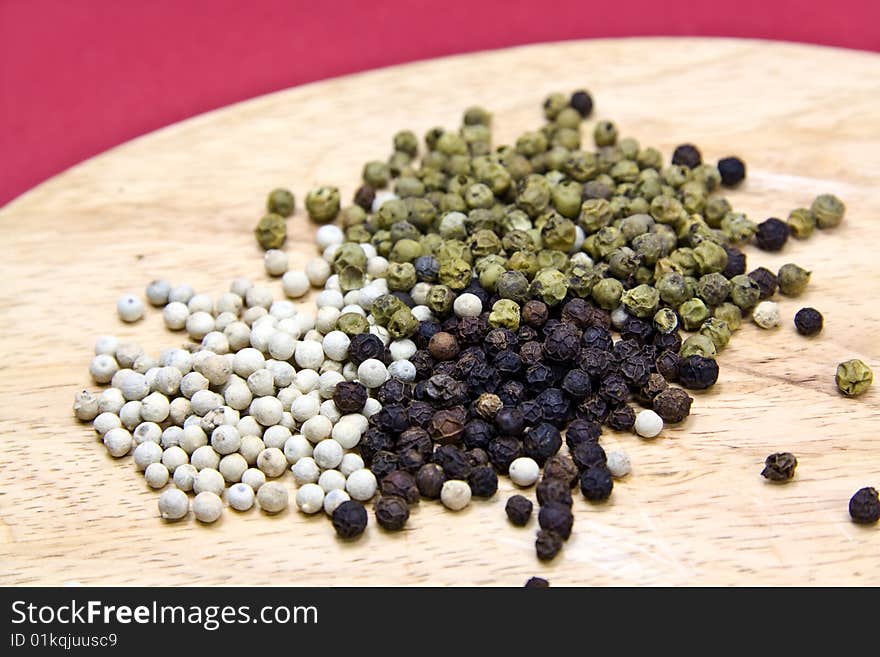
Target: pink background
<point>80,76</point>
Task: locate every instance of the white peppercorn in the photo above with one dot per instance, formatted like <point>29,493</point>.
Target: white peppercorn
<point>181,293</point>
<point>309,354</point>
<point>275,262</point>
<point>350,463</point>
<point>248,426</point>
<point>238,395</point>
<point>281,345</point>
<point>251,315</point>
<point>333,499</point>
<point>327,383</point>
<point>372,373</point>
<point>261,383</point>
<point>455,494</point>
<point>335,344</point>
<point>361,485</point>
<point>273,497</point>
<point>247,361</point>
<point>766,314</point>
<point>382,333</point>
<point>175,315</point>
<point>174,457</point>
<point>307,380</point>
<point>329,410</point>
<point>200,303</point>
<point>167,380</point>
<point>102,368</point>
<point>85,406</point>
<point>282,372</point>
<point>619,317</point>
<point>648,424</point>
<point>306,471</point>
<point>118,442</point>
<point>129,308</point>
<point>145,454</point>
<point>179,358</point>
<point>254,478</point>
<point>420,292</point>
<point>347,432</point>
<point>171,437</point>
<point>147,431</point>
<point>349,371</point>
<point>225,439</point>
<point>328,235</point>
<point>371,407</point>
<point>223,321</point>
<point>316,429</point>
<point>205,401</point>
<point>272,462</point>
<point>130,414</point>
<point>106,345</point>
<point>132,385</point>
<point>295,284</point>
<point>106,421</point>
<point>240,497</point>
<point>209,479</point>
<point>185,476</point>
<point>310,498</point>
<point>618,464</point>
<point>266,410</point>
<point>215,341</point>
<point>110,401</point>
<point>173,504</point>
<point>155,407</point>
<point>296,448</point>
<point>331,480</point>
<point>240,286</point>
<point>191,383</point>
<point>402,349</point>
<point>144,364</point>
<point>524,471</point>
<point>331,366</point>
<point>156,475</point>
<point>467,305</point>
<point>207,507</point>
<point>422,313</point>
<point>403,370</point>
<point>193,438</point>
<point>232,466</point>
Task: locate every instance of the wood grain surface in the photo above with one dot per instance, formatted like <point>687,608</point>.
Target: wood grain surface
<point>181,204</point>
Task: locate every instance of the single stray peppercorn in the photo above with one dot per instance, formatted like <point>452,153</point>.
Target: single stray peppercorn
<point>537,583</point>
<point>349,519</point>
<point>392,512</point>
<point>853,377</point>
<point>779,466</point>
<point>518,509</point>
<point>808,321</point>
<point>732,170</point>
<point>864,506</point>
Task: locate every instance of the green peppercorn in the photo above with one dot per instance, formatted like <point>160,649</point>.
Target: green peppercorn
<point>697,345</point>
<point>801,223</point>
<point>672,288</point>
<point>280,202</point>
<point>450,143</point>
<point>636,225</point>
<point>828,210</point>
<point>402,324</point>
<point>607,240</point>
<point>405,250</point>
<point>384,308</point>
<point>513,285</point>
<point>554,104</point>
<point>392,211</point>
<point>407,186</point>
<point>730,314</point>
<point>581,280</point>
<point>607,293</point>
<point>605,133</point>
<point>792,279</point>
<point>349,255</point>
<point>744,292</point>
<point>440,299</point>
<point>713,288</point>
<point>401,276</point>
<point>505,313</point>
<point>376,174</point>
<point>650,158</point>
<point>693,313</point>
<point>533,195</point>
<point>568,117</point>
<point>650,247</point>
<point>455,273</point>
<point>558,233</point>
<point>352,324</point>
<point>359,234</point>
<point>716,209</point>
<point>552,259</point>
<point>665,320</point>
<point>738,227</point>
<point>595,214</point>
<point>641,301</point>
<point>716,330</point>
<point>666,209</point>
<point>710,257</point>
<point>271,231</point>
<point>525,262</point>
<point>406,141</point>
<point>853,377</point>
<point>322,204</point>
<point>490,274</point>
<point>351,278</point>
<point>352,215</point>
<point>550,286</point>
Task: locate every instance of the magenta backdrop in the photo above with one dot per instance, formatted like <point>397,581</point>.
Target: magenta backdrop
<point>80,76</point>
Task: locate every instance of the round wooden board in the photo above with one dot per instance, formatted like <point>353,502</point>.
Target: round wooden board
<point>181,204</point>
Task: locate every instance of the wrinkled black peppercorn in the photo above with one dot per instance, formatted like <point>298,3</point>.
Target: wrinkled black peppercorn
<point>772,234</point>
<point>553,490</point>
<point>562,343</point>
<point>766,281</point>
<point>595,408</point>
<point>349,519</point>
<point>582,431</point>
<point>535,313</point>
<point>621,418</point>
<point>430,480</point>
<point>447,425</point>
<point>586,455</point>
<point>596,483</point>
<point>687,155</point>
<point>672,405</point>
<point>864,506</point>
<point>533,412</point>
<point>732,170</point>
<point>518,509</point>
<point>349,396</point>
<point>483,481</point>
<point>383,463</point>
<point>668,365</point>
<point>779,466</point>
<point>613,389</point>
<point>736,262</point>
<point>547,544</point>
<point>808,321</point>
<point>478,456</point>
<point>557,518</point>
<point>582,102</point>
<point>560,466</point>
<point>667,342</point>
<point>503,450</point>
<point>477,433</point>
<point>698,373</point>
<point>373,441</point>
<point>541,442</point>
<point>393,391</point>
<point>364,346</point>
<point>420,413</point>
<point>453,460</point>
<point>400,484</point>
<point>392,512</point>
<point>577,385</point>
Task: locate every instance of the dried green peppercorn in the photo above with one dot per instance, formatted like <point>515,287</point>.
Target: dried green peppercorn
<point>713,289</point>
<point>271,231</point>
<point>828,210</point>
<point>801,223</point>
<point>792,279</point>
<point>779,467</point>
<point>440,299</point>
<point>391,512</point>
<point>729,314</point>
<point>710,257</point>
<point>505,313</point>
<point>322,204</point>
<point>673,288</point>
<point>699,345</point>
<point>641,301</point>
<point>744,292</point>
<point>808,321</point>
<point>853,377</point>
<point>607,293</point>
<point>864,506</point>
<point>280,202</point>
<point>605,133</point>
<point>716,330</point>
<point>400,276</point>
<point>665,320</point>
<point>693,313</point>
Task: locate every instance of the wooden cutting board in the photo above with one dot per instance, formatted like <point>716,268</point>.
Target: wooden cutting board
<point>181,204</point>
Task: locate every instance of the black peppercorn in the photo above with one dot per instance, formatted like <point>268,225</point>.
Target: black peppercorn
<point>541,442</point>
<point>453,460</point>
<point>560,466</point>
<point>420,413</point>
<point>597,483</point>
<point>410,460</point>
<point>547,544</point>
<point>808,321</point>
<point>637,329</point>
<point>636,370</point>
<point>613,389</point>
<point>447,425</point>
<point>349,396</point>
<point>582,431</point>
<point>405,297</point>
<point>364,197</point>
<point>415,438</point>
<point>577,385</point>
<point>499,339</point>
<point>771,234</point>
<point>588,454</point>
<point>477,457</point>
<point>525,334</point>
<point>595,362</point>
<point>508,363</point>
<point>594,408</point>
<point>483,481</point>
<point>537,583</point>
<point>582,102</point>
<point>531,353</point>
<point>556,406</point>
<point>393,391</point>
<point>668,365</point>
<point>424,364</point>
<point>518,509</point>
<point>443,346</point>
<point>654,386</point>
<point>430,480</point>
<point>470,331</point>
<point>427,268</point>
<point>736,262</point>
<point>624,349</point>
<point>364,346</point>
<point>766,281</point>
<point>779,466</point>
<point>374,440</point>
<point>349,519</point>
<point>477,433</point>
<point>383,463</point>
<point>864,506</point>
<point>668,342</point>
<point>557,518</point>
<point>392,512</point>
<point>732,170</point>
<point>449,325</point>
<point>392,419</point>
<point>562,343</point>
<point>510,421</point>
<point>596,337</point>
<point>534,313</point>
<point>672,405</point>
<point>503,450</point>
<point>539,376</point>
<point>687,155</point>
<point>621,418</point>
<point>577,312</point>
<point>400,484</point>
<point>698,373</point>
<point>425,332</point>
<point>551,490</point>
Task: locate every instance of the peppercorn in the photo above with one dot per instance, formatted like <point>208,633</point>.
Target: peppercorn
<point>853,377</point>
<point>365,346</point>
<point>732,170</point>
<point>557,518</point>
<point>364,197</point>
<point>576,384</point>
<point>547,544</point>
<point>483,481</point>
<point>582,102</point>
<point>779,466</point>
<point>808,321</point>
<point>383,463</point>
<point>597,483</point>
<point>687,155</point>
<point>771,234</point>
<point>697,372</point>
<point>597,337</point>
<point>453,460</point>
<point>430,479</point>
<point>391,512</point>
<point>393,391</point>
<point>561,467</point>
<point>349,396</point>
<point>553,490</point>
<point>621,418</point>
<point>508,363</point>
<point>594,408</point>
<point>518,509</point>
<point>447,425</point>
<point>792,279</point>
<point>541,442</point>
<point>503,450</point>
<point>864,506</point>
<point>588,454</point>
<point>271,231</point>
<point>582,431</point>
<point>736,262</point>
<point>510,421</point>
<point>556,407</point>
<point>322,204</point>
<point>400,484</point>
<point>349,519</point>
<point>828,210</point>
<point>280,202</point>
